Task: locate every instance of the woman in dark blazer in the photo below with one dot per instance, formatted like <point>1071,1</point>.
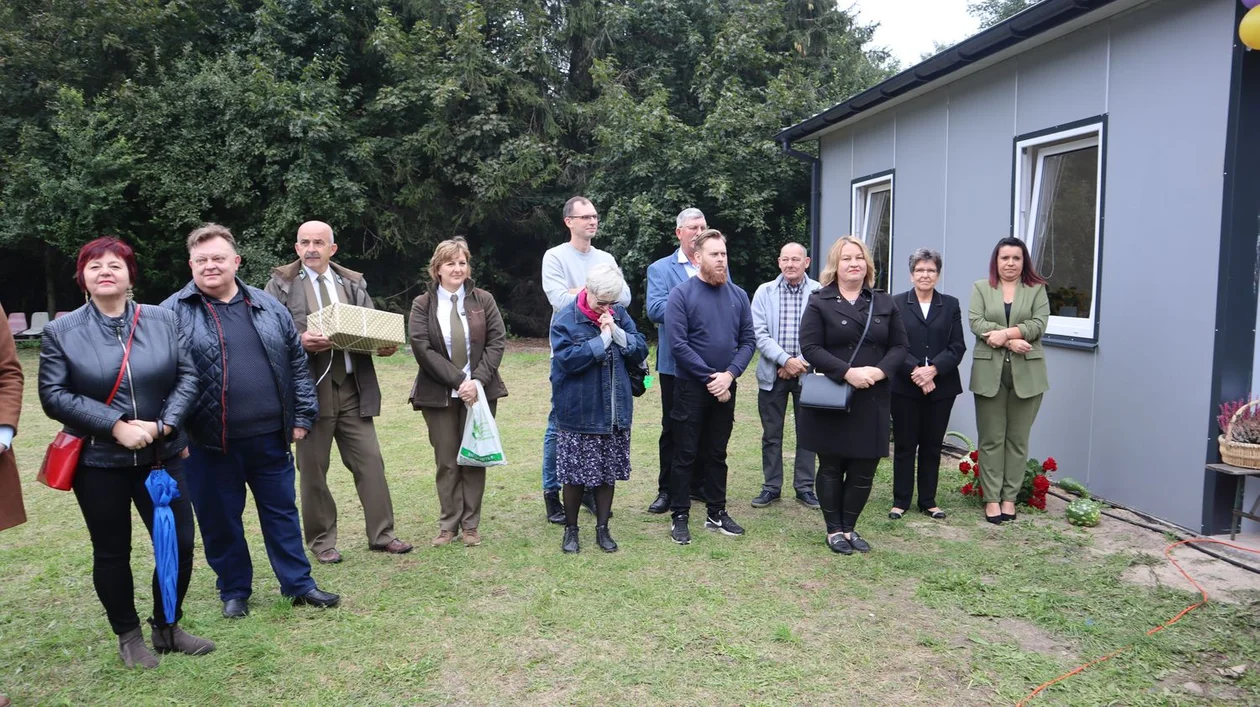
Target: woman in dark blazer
<point>849,445</point>
<point>926,383</point>
<point>457,336</point>
<point>80,358</point>
<point>1008,313</point>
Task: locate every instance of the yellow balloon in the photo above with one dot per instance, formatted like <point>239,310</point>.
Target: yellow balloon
<point>1249,29</point>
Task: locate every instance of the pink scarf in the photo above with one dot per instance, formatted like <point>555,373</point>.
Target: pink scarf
<point>586,308</point>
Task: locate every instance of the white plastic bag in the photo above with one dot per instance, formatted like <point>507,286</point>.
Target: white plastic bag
<point>481,445</point>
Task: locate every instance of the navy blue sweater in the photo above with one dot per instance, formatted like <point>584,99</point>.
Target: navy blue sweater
<point>709,328</point>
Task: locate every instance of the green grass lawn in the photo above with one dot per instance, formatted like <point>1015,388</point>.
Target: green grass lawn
<point>941,612</point>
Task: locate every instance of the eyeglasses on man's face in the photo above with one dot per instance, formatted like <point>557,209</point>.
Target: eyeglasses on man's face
<point>585,217</point>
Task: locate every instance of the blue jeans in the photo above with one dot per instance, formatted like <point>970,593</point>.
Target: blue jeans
<point>549,480</point>
<point>216,481</point>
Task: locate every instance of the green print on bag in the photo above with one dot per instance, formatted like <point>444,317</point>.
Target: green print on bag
<point>481,445</point>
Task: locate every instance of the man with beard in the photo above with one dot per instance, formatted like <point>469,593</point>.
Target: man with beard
<point>349,397</point>
<point>564,269</point>
<point>662,277</point>
<point>711,337</point>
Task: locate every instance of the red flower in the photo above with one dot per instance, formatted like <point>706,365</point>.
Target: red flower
<point>1038,502</point>
<point>1050,464</point>
<point>975,455</point>
<point>966,490</point>
<point>1041,483</point>
<point>964,466</point>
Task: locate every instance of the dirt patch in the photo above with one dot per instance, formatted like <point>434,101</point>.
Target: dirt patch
<point>1034,639</point>
<point>1222,581</point>
<point>526,345</point>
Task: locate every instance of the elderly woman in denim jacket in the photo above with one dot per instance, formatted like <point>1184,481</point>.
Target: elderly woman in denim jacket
<point>594,341</point>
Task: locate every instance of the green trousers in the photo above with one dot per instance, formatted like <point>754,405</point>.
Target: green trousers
<point>1004,423</point>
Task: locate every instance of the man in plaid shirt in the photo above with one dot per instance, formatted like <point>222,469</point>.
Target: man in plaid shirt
<point>776,315</point>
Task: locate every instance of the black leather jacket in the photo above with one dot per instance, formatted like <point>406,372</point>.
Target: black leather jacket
<point>80,356</point>
<point>207,421</point>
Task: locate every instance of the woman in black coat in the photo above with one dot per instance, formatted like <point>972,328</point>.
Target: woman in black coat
<point>849,445</point>
<point>81,360</point>
<point>926,383</point>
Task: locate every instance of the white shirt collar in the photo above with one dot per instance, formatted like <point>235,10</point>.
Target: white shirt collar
<point>446,294</point>
<point>682,257</point>
<point>316,276</point>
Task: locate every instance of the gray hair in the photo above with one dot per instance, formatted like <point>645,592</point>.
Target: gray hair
<point>687,215</point>
<point>604,282</point>
<point>925,254</point>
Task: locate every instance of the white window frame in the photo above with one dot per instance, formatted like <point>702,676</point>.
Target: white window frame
<point>860,208</point>
<point>1030,154</point>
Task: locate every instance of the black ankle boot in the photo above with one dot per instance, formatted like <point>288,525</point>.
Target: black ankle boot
<point>555,509</point>
<point>604,539</point>
<point>570,542</point>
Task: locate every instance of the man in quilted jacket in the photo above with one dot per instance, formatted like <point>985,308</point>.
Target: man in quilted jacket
<point>255,397</point>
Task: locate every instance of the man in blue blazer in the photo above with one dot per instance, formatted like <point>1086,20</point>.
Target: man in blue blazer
<point>662,277</point>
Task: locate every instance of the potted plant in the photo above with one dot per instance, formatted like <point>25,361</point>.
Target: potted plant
<point>1239,421</point>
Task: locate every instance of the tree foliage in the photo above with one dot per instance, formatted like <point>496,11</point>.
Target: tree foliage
<point>404,122</point>
<point>991,12</point>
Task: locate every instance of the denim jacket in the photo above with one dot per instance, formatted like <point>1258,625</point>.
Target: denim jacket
<point>590,388</point>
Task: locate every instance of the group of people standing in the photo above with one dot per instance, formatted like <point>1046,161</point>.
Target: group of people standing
<point>899,354</point>
<point>218,382</point>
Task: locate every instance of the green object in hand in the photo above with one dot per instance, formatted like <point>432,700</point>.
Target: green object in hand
<point>647,382</point>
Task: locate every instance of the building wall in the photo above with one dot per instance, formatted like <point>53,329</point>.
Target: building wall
<point>1130,417</point>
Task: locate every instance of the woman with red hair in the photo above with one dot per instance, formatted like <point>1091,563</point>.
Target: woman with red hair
<point>1008,314</point>
<point>114,373</point>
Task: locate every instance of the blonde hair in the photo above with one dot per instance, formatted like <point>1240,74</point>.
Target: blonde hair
<point>833,261</point>
<point>447,251</point>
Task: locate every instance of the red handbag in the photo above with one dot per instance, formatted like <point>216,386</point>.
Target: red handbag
<point>62,457</point>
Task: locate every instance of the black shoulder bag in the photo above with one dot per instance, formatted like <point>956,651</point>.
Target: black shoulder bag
<point>819,391</point>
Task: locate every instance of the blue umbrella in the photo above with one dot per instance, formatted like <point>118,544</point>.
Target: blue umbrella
<point>163,490</point>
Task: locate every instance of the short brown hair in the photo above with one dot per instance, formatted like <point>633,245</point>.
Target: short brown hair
<point>210,231</point>
<point>707,235</point>
<point>447,251</point>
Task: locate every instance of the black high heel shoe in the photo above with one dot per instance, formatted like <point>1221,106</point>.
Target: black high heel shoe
<point>1007,517</point>
<point>996,520</point>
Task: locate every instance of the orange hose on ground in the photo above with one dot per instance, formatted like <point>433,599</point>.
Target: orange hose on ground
<point>1167,553</point>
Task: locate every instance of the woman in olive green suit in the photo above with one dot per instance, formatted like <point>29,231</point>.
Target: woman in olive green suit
<point>1008,315</point>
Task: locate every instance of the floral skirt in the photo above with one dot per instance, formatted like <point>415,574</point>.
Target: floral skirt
<point>592,460</point>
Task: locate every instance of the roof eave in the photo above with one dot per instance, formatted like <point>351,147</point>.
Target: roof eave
<point>1036,20</point>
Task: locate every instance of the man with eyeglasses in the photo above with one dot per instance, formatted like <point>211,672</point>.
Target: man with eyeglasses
<point>564,269</point>
<point>255,397</point>
<point>777,307</point>
<point>662,277</point>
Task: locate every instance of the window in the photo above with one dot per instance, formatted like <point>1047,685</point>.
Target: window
<point>1058,204</point>
<point>872,222</point>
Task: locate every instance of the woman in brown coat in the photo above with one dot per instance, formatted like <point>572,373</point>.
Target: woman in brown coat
<point>11,510</point>
<point>457,336</point>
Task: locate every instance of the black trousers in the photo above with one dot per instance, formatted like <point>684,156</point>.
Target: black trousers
<point>702,429</point>
<point>843,485</point>
<point>919,427</point>
<point>667,438</point>
<point>105,496</point>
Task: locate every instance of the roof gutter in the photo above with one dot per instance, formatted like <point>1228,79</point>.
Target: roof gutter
<point>1039,18</point>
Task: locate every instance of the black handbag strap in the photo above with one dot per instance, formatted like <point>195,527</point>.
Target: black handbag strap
<point>870,314</point>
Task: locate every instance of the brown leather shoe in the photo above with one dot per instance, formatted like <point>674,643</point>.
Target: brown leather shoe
<point>393,547</point>
<point>446,537</point>
<point>471,537</point>
<point>329,556</point>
